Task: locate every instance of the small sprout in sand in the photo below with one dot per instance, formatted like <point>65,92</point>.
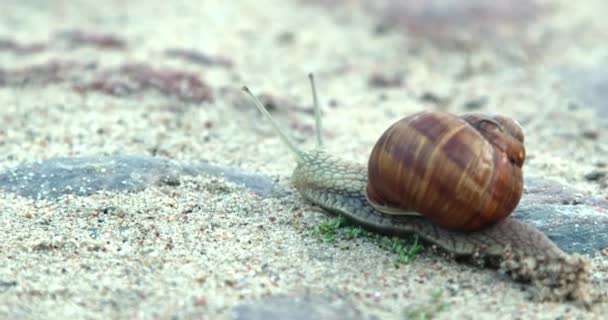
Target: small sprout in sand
<point>408,252</point>
<point>340,229</point>
<point>327,231</point>
<point>428,310</point>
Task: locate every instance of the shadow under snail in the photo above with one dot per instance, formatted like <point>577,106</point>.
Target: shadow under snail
<point>453,181</point>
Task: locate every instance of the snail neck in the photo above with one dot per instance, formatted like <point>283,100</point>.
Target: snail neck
<point>321,171</point>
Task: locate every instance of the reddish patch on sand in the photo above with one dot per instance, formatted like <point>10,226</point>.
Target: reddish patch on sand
<point>447,22</point>
<point>15,47</point>
<point>132,79</point>
<point>80,38</point>
<point>52,71</point>
<point>126,80</point>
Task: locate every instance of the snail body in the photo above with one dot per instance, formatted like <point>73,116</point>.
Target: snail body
<point>462,173</point>
<point>343,188</point>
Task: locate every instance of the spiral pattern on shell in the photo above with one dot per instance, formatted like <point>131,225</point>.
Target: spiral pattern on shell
<point>462,173</point>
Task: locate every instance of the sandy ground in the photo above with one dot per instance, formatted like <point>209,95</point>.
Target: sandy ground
<point>201,248</point>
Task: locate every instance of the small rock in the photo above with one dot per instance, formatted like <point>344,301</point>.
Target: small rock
<point>432,98</point>
<point>590,134</point>
<point>595,175</point>
<point>5,285</point>
<point>476,104</point>
<point>382,80</point>
<point>274,102</point>
<point>297,308</point>
<point>198,57</point>
<point>286,37</point>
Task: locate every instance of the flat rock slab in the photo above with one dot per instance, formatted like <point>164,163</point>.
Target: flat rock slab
<point>53,178</point>
<point>297,308</point>
<point>539,190</point>
<point>574,228</point>
<point>577,224</point>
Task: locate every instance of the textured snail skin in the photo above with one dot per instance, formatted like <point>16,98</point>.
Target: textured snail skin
<point>522,250</point>
<point>466,170</point>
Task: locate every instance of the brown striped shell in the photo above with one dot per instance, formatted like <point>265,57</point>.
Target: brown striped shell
<point>463,173</point>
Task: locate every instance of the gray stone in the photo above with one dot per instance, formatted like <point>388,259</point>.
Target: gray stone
<point>261,185</point>
<point>52,178</point>
<point>5,285</point>
<point>540,190</point>
<point>575,222</point>
<point>574,228</point>
<point>297,308</point>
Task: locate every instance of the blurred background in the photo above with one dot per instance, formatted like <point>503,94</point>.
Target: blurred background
<point>541,62</point>
<point>161,81</point>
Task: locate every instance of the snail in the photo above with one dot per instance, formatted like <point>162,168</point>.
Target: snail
<point>342,187</point>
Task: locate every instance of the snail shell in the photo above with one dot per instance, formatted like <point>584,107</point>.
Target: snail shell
<point>462,173</point>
